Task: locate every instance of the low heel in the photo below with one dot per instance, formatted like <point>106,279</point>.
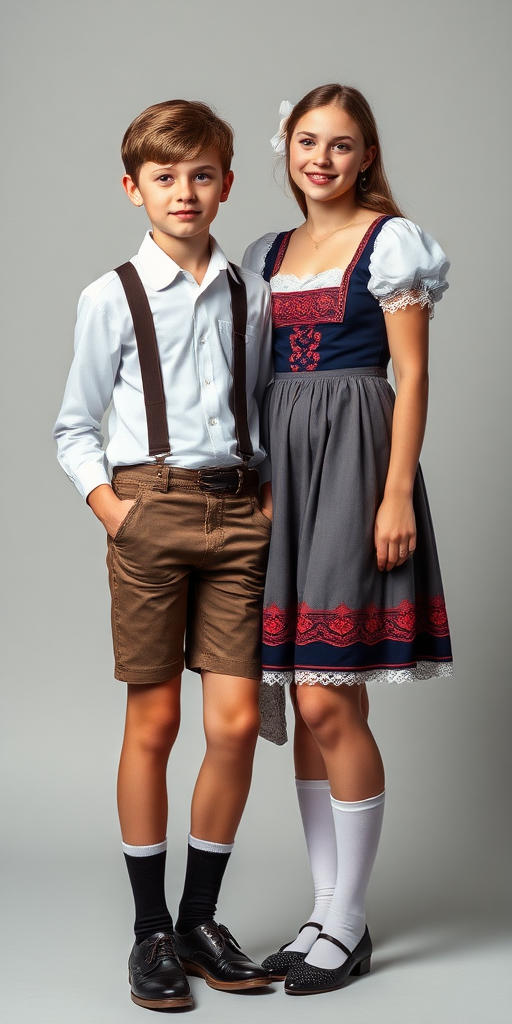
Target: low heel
<point>363,967</point>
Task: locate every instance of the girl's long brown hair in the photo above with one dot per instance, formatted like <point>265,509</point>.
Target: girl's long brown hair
<point>377,194</point>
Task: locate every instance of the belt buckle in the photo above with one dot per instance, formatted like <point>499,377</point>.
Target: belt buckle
<point>240,471</point>
<point>228,488</point>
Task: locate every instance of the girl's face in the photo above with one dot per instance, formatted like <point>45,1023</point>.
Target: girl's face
<point>327,152</point>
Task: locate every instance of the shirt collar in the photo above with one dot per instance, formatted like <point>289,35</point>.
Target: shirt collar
<point>159,270</point>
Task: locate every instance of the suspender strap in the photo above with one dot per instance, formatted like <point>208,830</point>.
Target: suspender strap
<point>149,358</point>
<point>239,312</point>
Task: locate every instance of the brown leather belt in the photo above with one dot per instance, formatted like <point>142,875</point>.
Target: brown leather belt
<point>222,481</point>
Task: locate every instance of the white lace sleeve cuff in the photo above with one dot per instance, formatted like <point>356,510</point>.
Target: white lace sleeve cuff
<point>256,253</point>
<point>407,266</point>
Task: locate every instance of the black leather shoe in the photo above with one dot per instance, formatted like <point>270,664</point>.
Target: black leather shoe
<point>211,952</point>
<point>278,964</point>
<point>156,976</point>
<point>307,980</point>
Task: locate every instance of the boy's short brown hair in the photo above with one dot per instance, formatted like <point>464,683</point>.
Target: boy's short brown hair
<point>175,130</point>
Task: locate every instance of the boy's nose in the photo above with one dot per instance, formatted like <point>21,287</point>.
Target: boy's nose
<point>186,193</point>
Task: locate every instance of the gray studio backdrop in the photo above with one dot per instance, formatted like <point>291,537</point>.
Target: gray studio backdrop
<point>76,74</point>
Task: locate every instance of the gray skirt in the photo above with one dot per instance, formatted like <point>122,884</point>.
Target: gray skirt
<point>330,616</point>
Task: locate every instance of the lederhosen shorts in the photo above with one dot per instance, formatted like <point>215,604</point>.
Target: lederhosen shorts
<point>186,565</point>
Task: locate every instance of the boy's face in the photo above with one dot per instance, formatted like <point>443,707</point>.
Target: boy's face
<point>181,199</point>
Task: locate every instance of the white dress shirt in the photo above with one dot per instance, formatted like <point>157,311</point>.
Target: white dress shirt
<point>193,326</point>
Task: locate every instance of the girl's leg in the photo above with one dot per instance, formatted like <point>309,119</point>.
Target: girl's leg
<point>314,796</point>
<point>335,718</point>
<point>231,723</point>
<point>152,722</point>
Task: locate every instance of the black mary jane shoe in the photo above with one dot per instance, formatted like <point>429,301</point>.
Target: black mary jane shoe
<point>156,976</point>
<point>307,980</point>
<point>210,952</point>
<point>278,964</point>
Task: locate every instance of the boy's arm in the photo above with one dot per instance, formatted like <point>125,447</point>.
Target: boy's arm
<point>87,397</point>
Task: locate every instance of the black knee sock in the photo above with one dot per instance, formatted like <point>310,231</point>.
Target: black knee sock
<point>203,879</point>
<point>147,879</point>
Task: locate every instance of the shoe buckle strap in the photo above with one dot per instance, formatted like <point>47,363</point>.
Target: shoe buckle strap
<point>330,938</point>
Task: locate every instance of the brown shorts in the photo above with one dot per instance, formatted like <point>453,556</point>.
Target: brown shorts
<point>186,563</point>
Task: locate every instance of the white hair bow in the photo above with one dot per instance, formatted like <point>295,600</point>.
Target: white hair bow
<point>277,141</point>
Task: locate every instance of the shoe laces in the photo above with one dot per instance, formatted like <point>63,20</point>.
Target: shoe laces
<point>227,935</point>
<point>162,946</point>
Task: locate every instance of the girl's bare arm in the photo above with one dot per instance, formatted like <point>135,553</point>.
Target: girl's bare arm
<point>395,526</point>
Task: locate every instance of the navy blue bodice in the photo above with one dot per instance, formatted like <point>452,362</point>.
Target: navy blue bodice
<point>329,328</point>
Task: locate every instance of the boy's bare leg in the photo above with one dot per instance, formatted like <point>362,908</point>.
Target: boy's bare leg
<point>231,723</point>
<point>152,723</point>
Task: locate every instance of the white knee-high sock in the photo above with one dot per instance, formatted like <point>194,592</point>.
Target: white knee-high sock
<point>358,825</point>
<point>314,797</point>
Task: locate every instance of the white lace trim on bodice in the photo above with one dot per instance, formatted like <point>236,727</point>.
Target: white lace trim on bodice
<point>289,283</point>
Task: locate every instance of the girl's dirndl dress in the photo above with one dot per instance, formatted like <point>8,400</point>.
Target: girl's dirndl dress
<point>330,616</point>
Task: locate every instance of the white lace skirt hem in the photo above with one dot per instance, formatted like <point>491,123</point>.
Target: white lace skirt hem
<point>313,677</point>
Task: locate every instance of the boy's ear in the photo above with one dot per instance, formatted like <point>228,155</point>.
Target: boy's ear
<point>226,186</point>
<point>132,191</point>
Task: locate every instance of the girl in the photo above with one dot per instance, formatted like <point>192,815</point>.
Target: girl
<point>353,590</point>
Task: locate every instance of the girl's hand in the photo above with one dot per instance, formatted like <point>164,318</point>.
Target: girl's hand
<point>395,532</point>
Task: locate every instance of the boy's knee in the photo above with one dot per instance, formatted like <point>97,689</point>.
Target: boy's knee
<point>158,737</point>
<point>237,731</point>
<point>155,728</point>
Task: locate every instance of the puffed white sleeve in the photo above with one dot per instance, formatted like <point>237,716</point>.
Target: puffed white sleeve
<point>256,253</point>
<point>407,266</point>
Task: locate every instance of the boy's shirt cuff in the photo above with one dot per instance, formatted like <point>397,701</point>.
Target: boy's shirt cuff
<point>90,475</point>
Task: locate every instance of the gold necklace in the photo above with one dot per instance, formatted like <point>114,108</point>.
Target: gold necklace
<point>324,239</point>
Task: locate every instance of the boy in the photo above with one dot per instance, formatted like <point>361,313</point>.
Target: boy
<point>187,537</point>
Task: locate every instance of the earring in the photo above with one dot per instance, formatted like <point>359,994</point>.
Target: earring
<point>362,182</point>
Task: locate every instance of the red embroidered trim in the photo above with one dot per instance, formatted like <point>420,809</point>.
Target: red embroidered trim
<point>322,305</point>
<point>281,251</point>
<point>343,626</point>
<point>292,309</point>
<point>304,343</point>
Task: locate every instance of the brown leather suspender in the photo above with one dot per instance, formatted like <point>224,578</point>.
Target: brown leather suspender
<point>149,358</point>
<point>239,310</point>
<point>151,372</point>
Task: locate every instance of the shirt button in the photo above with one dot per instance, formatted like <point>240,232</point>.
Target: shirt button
<point>203,341</point>
<point>207,381</point>
<point>213,422</point>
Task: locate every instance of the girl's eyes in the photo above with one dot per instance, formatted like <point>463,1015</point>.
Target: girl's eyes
<point>340,146</point>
